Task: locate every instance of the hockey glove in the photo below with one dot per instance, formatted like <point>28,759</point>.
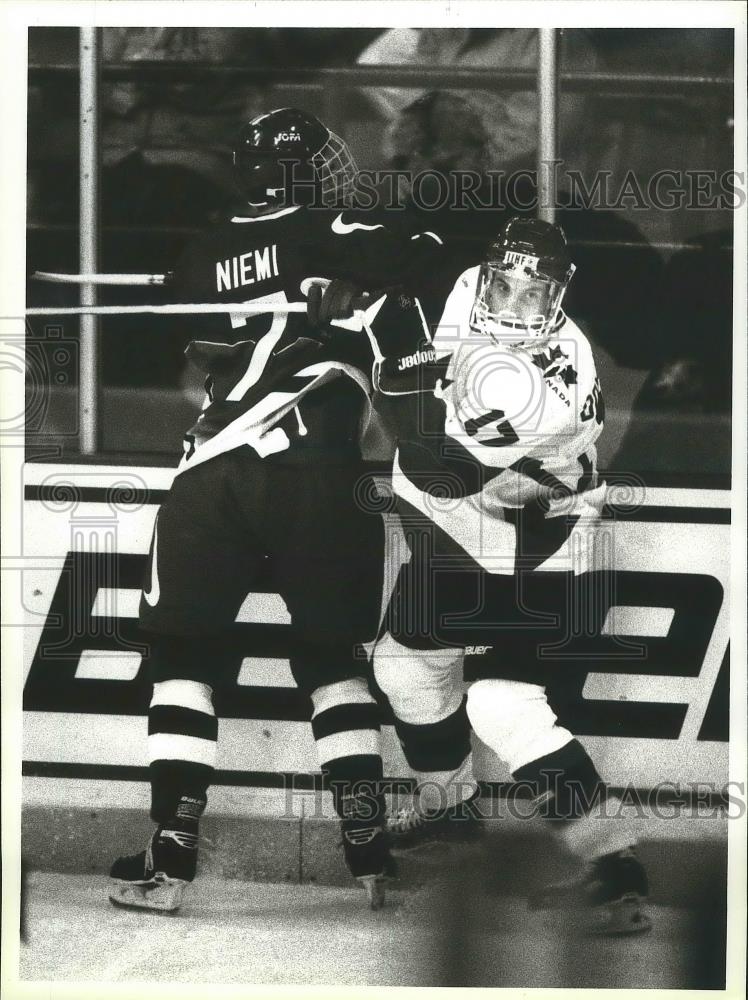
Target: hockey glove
<point>339,300</point>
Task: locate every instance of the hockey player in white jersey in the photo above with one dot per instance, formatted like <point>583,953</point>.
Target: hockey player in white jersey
<point>495,476</point>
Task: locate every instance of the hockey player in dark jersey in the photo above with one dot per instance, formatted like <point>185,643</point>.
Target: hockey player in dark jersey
<point>499,498</point>
<point>268,484</point>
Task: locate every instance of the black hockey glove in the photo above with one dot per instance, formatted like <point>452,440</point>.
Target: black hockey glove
<point>339,300</point>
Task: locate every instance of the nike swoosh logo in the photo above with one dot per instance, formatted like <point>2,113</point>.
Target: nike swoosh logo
<point>343,228</point>
<point>152,595</point>
<point>428,232</point>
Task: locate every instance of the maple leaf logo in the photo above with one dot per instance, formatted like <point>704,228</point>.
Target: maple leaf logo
<point>545,361</point>
<point>569,376</point>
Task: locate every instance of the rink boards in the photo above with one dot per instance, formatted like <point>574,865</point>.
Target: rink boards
<point>650,699</point>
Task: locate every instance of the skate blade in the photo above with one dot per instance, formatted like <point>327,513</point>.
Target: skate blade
<point>624,916</point>
<point>164,896</point>
<point>374,886</point>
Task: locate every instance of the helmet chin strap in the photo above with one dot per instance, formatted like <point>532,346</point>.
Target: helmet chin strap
<point>526,337</point>
<point>534,336</point>
<point>530,342</point>
<point>260,207</point>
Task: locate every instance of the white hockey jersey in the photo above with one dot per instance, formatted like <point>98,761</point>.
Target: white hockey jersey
<point>500,431</point>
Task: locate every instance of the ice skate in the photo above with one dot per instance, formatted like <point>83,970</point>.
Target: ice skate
<point>411,827</point>
<point>156,878</point>
<point>368,858</point>
<point>608,898</point>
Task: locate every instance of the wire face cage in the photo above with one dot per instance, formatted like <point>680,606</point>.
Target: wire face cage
<point>336,171</point>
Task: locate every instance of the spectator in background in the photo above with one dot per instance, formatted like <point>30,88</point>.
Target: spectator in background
<point>697,321</point>
<point>166,152</point>
<point>469,129</point>
<point>166,161</point>
<point>475,130</point>
<point>690,130</point>
<point>165,145</point>
<point>681,415</point>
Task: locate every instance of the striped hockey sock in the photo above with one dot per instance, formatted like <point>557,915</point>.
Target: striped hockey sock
<point>182,741</point>
<point>345,724</point>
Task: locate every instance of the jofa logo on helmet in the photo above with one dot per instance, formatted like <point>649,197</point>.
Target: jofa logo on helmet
<point>287,137</point>
<point>522,259</point>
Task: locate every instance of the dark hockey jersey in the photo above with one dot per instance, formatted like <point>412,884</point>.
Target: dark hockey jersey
<point>495,445</point>
<point>273,382</point>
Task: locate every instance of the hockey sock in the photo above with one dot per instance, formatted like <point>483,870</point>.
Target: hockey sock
<point>567,786</point>
<point>604,829</point>
<point>182,741</point>
<point>565,783</point>
<point>345,724</point>
<point>439,755</point>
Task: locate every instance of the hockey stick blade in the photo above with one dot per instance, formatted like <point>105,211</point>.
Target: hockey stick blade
<point>102,279</point>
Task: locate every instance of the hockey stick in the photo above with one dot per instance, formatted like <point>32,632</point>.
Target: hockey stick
<point>179,309</point>
<point>102,279</point>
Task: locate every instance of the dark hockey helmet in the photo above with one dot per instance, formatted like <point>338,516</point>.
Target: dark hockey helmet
<point>289,157</point>
<point>522,282</point>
